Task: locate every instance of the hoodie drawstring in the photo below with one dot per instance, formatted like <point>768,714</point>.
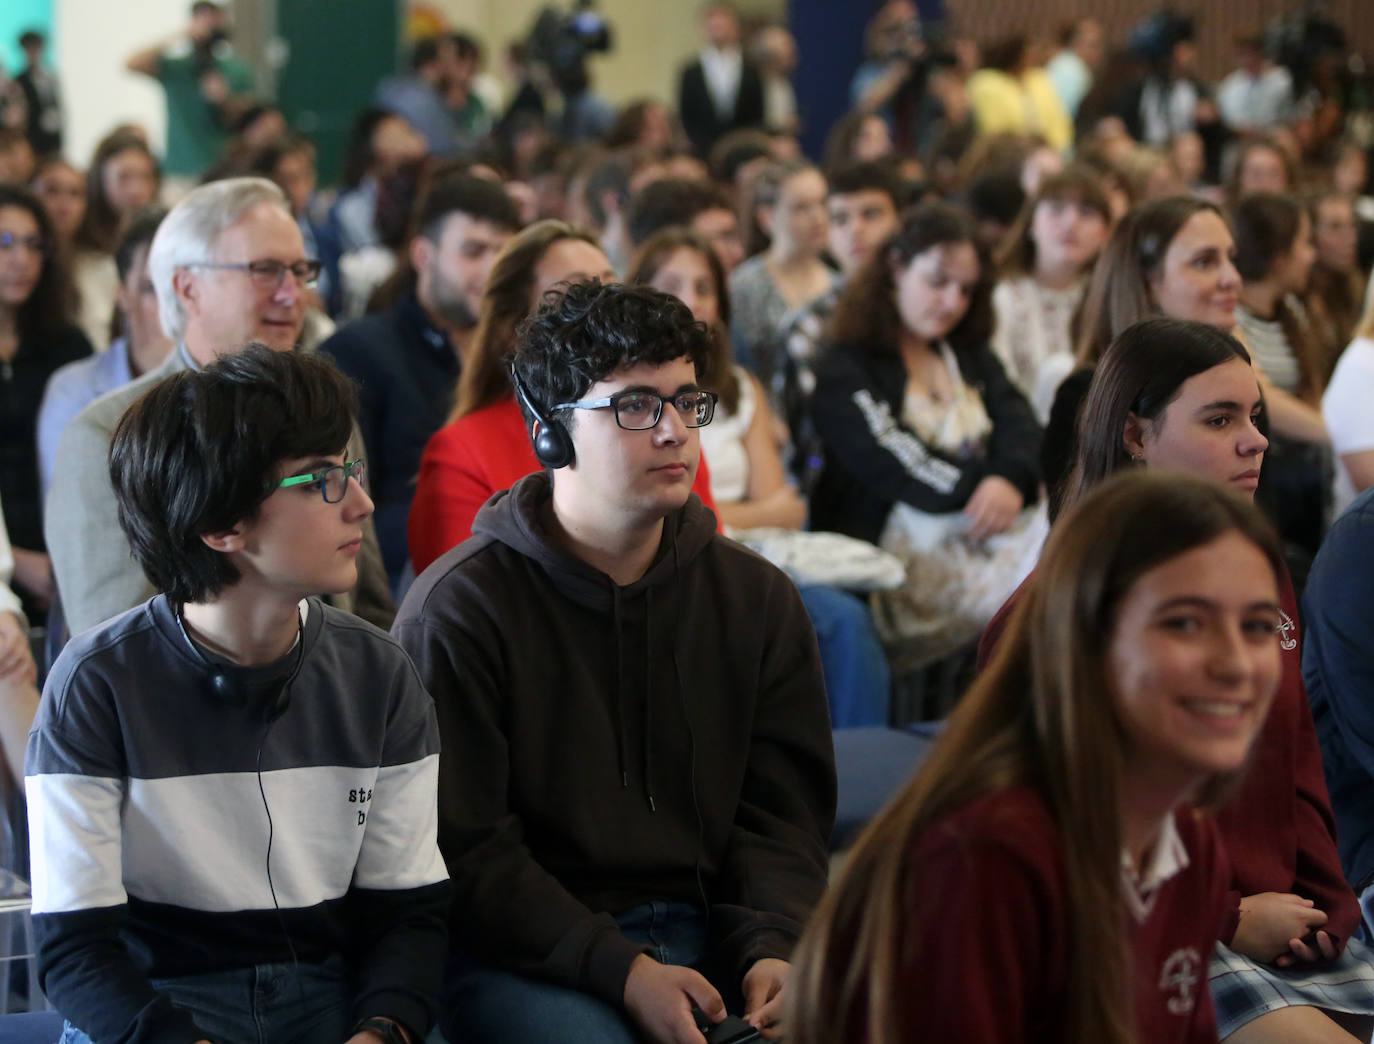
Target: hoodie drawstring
<point>648,700</point>
<point>618,706</point>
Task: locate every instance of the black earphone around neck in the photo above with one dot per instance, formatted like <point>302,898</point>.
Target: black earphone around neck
<point>553,446</point>
<point>229,687</point>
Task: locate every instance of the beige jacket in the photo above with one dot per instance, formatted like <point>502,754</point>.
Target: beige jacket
<point>96,574</point>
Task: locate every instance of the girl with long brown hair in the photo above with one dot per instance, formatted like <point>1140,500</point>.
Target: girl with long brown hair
<point>122,179</point>
<point>930,451</point>
<point>1183,397</point>
<point>1044,876</point>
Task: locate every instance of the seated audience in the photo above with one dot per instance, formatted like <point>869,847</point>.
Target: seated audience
<point>160,906</point>
<point>482,450</point>
<point>37,337</point>
<point>1047,874</point>
<point>699,205</point>
<point>1014,93</point>
<point>1044,268</point>
<point>857,137</point>
<point>787,235</point>
<point>379,143</point>
<point>289,161</point>
<point>228,267</point>
<point>1183,397</point>
<point>863,205</point>
<point>123,179</point>
<point>1274,255</point>
<point>18,678</point>
<point>17,160</point>
<point>141,347</point>
<point>419,97</point>
<point>61,188</point>
<point>1173,257</point>
<point>637,782</point>
<point>407,359</point>
<point>1349,419</point>
<point>1259,165</point>
<point>1336,285</point>
<point>748,482</point>
<point>930,451</point>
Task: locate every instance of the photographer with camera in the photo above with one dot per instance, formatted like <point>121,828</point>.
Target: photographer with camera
<point>205,85</point>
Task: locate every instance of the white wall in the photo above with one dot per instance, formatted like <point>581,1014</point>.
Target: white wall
<point>93,39</point>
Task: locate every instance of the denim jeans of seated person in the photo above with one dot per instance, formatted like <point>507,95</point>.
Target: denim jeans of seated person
<point>264,1004</point>
<point>485,1006</point>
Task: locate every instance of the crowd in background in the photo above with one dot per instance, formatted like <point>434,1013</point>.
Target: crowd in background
<point>905,331</point>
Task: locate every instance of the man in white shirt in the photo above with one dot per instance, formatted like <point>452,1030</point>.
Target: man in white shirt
<point>1259,94</point>
<point>720,91</point>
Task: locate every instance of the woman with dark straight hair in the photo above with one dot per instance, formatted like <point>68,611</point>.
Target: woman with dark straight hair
<point>1274,255</point>
<point>122,179</point>
<point>1051,872</point>
<point>1183,397</point>
<point>36,337</point>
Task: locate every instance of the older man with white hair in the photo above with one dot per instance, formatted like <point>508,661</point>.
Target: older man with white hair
<point>229,268</point>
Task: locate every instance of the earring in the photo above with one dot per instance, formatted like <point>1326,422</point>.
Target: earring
<point>1137,458</point>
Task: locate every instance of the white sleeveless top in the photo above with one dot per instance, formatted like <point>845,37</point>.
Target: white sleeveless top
<point>722,442</point>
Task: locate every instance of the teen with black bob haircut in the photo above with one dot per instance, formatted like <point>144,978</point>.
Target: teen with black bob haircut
<point>231,786</point>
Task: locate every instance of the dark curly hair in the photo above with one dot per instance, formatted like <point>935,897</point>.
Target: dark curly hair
<point>199,454</point>
<point>866,317</point>
<point>585,333</point>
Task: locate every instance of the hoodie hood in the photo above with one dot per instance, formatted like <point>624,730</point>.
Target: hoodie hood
<point>516,518</point>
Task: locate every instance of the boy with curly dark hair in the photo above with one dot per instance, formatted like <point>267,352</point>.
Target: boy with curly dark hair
<point>638,782</point>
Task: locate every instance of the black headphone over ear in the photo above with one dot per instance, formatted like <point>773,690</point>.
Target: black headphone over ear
<point>230,688</point>
<point>553,445</point>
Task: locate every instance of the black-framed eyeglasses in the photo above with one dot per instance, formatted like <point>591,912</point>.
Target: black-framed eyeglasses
<point>640,410</point>
<point>34,244</point>
<point>268,274</point>
<point>332,482</point>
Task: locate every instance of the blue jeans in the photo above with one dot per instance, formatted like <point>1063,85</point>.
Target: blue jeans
<point>858,682</point>
<point>485,1006</point>
<point>265,1004</point>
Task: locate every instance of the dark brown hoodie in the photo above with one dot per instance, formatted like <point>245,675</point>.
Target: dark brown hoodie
<point>605,746</point>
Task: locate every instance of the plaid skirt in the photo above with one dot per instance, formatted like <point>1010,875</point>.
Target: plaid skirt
<point>1243,990</point>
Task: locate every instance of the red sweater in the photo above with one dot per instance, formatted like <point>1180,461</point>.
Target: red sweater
<point>466,462</point>
<point>987,955</point>
<point>1279,832</point>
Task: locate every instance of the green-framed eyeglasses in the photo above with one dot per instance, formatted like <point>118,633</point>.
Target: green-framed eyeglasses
<point>332,482</point>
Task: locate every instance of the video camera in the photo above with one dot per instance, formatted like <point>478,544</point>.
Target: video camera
<point>562,40</point>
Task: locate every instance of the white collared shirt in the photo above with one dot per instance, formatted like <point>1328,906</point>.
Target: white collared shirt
<point>722,70</point>
<point>1168,858</point>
